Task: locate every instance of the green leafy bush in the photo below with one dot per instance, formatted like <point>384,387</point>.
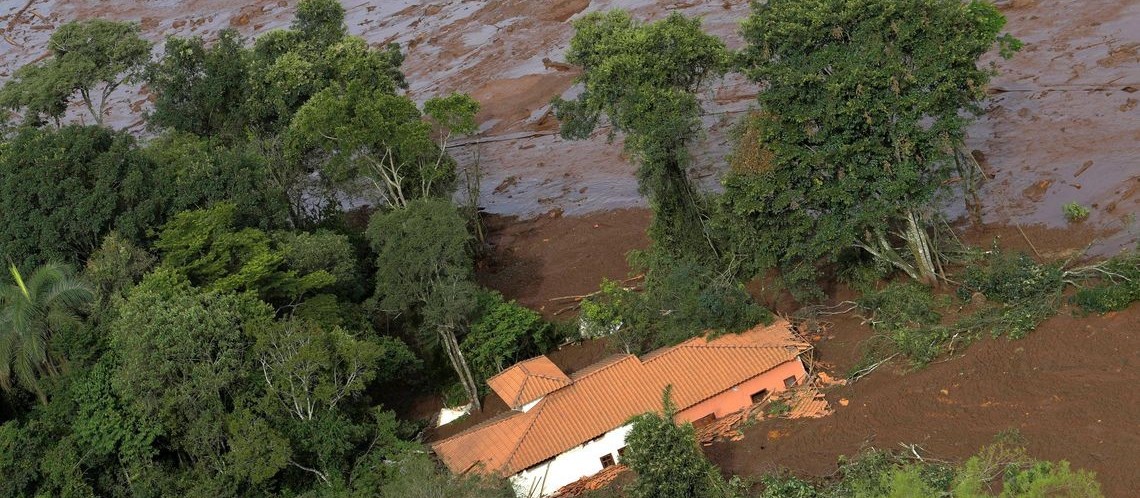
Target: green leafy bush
<point>1011,278</point>
<point>1119,288</point>
<point>907,321</point>
<point>1075,212</point>
<point>504,333</point>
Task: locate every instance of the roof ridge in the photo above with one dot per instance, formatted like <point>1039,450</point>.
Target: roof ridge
<point>480,426</point>
<point>520,391</point>
<point>547,377</point>
<point>610,364</point>
<point>522,437</point>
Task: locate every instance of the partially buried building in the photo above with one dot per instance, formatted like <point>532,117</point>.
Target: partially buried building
<point>562,428</point>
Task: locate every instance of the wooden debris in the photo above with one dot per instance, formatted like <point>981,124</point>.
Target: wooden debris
<point>590,483</point>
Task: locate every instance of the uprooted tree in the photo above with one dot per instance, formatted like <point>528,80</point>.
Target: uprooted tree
<point>862,112</point>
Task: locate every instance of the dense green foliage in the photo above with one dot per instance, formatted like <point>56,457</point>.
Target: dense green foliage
<point>33,310</point>
<point>64,189</point>
<point>1118,288</point>
<point>206,246</point>
<point>199,89</point>
<point>666,458</point>
<point>863,110</point>
<point>644,78</point>
<point>233,332</point>
<point>880,474</point>
<point>505,333</point>
<point>684,301</point>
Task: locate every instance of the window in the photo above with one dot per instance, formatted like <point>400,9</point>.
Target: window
<point>621,453</point>
<point>759,396</point>
<point>607,460</point>
<point>790,381</point>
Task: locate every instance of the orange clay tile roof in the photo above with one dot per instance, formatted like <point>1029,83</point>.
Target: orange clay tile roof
<point>604,398</point>
<point>527,381</point>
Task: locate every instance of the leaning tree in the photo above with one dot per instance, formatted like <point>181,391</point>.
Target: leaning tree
<point>862,111</point>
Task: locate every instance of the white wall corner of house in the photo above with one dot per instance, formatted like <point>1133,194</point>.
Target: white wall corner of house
<point>582,461</point>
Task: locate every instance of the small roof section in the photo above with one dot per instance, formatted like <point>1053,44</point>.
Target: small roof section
<point>527,381</point>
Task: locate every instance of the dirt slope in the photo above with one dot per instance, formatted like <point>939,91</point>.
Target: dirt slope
<point>1069,388</point>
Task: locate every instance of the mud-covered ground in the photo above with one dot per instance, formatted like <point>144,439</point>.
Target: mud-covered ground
<point>1062,126</point>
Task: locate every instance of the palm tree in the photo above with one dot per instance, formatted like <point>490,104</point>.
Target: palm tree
<point>29,314</point>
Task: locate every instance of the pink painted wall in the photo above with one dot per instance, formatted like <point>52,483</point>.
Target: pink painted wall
<point>740,396</point>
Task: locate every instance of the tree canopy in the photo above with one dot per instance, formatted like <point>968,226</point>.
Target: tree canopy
<point>643,78</point>
<point>91,57</point>
<point>64,190</point>
<point>863,110</point>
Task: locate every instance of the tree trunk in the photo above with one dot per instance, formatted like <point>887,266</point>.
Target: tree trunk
<point>918,241</point>
<point>451,346</point>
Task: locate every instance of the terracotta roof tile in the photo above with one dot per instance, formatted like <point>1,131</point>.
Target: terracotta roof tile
<point>606,396</point>
<point>527,381</point>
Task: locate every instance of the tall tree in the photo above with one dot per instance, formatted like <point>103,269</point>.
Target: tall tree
<point>209,248</point>
<point>863,109</point>
<point>31,313</point>
<point>665,455</point>
<point>423,268</point>
<point>200,89</point>
<point>91,57</point>
<point>644,79</point>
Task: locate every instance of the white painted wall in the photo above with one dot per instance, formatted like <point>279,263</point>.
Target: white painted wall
<point>448,415</point>
<point>571,465</point>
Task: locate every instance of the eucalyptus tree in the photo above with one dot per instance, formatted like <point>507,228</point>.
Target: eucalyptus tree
<point>31,312</point>
<point>644,78</point>
<point>92,57</point>
<point>862,109</point>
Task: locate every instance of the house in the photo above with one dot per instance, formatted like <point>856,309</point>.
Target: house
<point>562,428</point>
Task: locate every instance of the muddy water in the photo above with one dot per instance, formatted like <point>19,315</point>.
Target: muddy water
<point>1063,124</point>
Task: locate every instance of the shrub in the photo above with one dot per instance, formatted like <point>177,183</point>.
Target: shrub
<point>786,487</point>
<point>907,321</point>
<point>1120,286</point>
<point>504,333</point>
<point>1075,212</point>
<point>1011,278</point>
<point>777,408</point>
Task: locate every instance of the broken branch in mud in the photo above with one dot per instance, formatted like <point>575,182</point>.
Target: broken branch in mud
<point>859,374</point>
<point>1026,237</point>
<point>19,13</point>
<point>579,298</point>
